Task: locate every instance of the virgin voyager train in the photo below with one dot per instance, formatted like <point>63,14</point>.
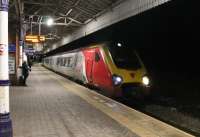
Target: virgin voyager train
<point>112,67</point>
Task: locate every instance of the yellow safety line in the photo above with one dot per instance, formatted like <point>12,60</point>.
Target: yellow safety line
<point>123,120</point>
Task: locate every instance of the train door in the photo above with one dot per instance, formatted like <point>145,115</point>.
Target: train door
<point>89,70</point>
<point>101,74</point>
<point>89,61</point>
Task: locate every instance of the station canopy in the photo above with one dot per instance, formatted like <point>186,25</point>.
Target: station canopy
<point>67,15</point>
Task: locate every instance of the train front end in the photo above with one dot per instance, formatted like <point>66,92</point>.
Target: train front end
<point>129,75</point>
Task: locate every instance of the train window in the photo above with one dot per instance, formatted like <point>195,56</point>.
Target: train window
<point>51,61</point>
<point>97,57</point>
<point>46,61</point>
<point>61,62</point>
<point>58,61</point>
<point>124,57</point>
<point>64,61</point>
<point>70,63</point>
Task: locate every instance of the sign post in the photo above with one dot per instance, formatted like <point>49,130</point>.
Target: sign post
<point>5,121</point>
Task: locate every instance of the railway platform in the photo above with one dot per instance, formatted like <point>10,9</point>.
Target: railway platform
<point>53,106</point>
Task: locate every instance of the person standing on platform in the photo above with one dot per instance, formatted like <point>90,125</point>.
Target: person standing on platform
<point>25,71</point>
<point>30,63</point>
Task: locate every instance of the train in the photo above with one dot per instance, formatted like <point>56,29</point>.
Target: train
<point>113,67</point>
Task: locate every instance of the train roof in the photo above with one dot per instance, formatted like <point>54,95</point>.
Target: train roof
<point>94,45</point>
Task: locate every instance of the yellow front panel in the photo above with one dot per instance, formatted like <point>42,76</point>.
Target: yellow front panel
<point>124,73</point>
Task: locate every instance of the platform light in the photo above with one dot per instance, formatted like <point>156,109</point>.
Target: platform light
<point>50,22</point>
<point>31,36</point>
<point>35,41</point>
<point>42,38</point>
<point>119,44</point>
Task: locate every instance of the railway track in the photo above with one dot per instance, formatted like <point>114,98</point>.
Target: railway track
<point>168,111</point>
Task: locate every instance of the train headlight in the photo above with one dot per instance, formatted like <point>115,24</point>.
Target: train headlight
<point>117,80</point>
<point>145,80</point>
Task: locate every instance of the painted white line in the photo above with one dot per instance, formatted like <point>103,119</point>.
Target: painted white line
<point>102,101</point>
<point>111,105</point>
<point>96,98</point>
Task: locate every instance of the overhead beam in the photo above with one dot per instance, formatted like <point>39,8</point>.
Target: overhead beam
<point>84,11</point>
<point>40,4</point>
<point>56,17</point>
<point>77,2</point>
<point>74,20</point>
<point>37,11</point>
<point>44,23</point>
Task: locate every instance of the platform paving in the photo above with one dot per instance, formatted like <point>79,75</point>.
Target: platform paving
<point>45,108</point>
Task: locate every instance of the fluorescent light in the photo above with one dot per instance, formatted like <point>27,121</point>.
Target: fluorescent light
<point>119,44</point>
<point>50,22</point>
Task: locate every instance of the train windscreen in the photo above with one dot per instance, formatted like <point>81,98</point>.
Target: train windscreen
<point>124,57</point>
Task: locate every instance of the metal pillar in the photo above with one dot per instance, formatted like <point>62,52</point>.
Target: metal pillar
<point>21,37</point>
<point>5,120</point>
<point>21,42</point>
<point>20,52</point>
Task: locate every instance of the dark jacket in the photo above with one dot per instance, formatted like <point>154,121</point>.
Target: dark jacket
<point>25,69</point>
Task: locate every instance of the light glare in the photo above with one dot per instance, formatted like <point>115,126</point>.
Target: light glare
<point>119,44</point>
<point>50,22</point>
<point>145,80</point>
<point>117,80</point>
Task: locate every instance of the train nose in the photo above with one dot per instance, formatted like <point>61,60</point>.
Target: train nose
<point>132,75</point>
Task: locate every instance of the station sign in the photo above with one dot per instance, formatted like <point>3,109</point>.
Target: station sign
<point>35,38</point>
<point>11,63</point>
<point>29,50</point>
<point>12,47</point>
